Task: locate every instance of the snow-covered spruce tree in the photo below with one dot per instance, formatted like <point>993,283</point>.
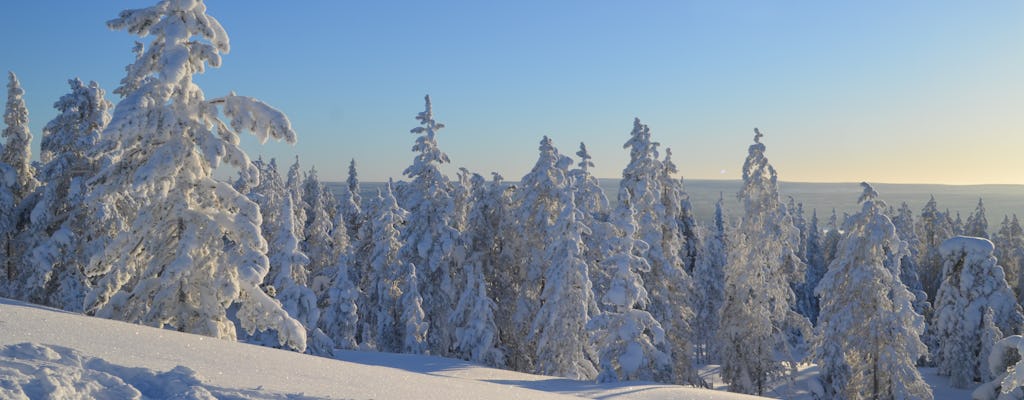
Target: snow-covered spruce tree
<point>476,332</point>
<point>15,154</point>
<point>1006,366</point>
<point>971,282</point>
<point>538,201</point>
<point>566,302</point>
<point>932,229</point>
<point>364,275</point>
<point>289,284</point>
<point>429,238</point>
<point>630,343</point>
<point>414,338</point>
<point>977,223</point>
<point>294,189</point>
<point>340,317</point>
<point>1009,242</point>
<point>833,235</point>
<point>957,223</point>
<point>867,340</point>
<point>17,150</point>
<point>709,283</point>
<point>904,222</point>
<point>193,247</point>
<point>386,278</point>
<point>657,209</point>
<point>593,205</point>
<point>815,258</point>
<point>351,202</point>
<point>758,309</point>
<point>678,208</point>
<point>56,234</point>
<point>318,243</point>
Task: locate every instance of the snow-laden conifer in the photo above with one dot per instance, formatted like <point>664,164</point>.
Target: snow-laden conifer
<point>932,229</point>
<point>192,244</point>
<point>295,190</point>
<point>972,282</point>
<point>477,336</point>
<point>17,150</point>
<point>807,301</point>
<point>59,221</point>
<point>593,206</point>
<point>709,283</point>
<point>414,338</point>
<point>833,234</point>
<point>318,243</point>
<point>429,237</point>
<point>351,202</point>
<point>340,317</point>
<point>630,343</point>
<point>657,211</point>
<point>289,284</point>
<point>868,336</point>
<point>538,201</point>
<point>567,301</point>
<point>977,223</point>
<point>758,310</point>
<point>388,270</point>
<point>1009,242</point>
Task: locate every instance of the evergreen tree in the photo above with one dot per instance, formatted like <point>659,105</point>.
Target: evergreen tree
<point>192,244</point>
<point>977,224</point>
<point>566,302</point>
<point>295,190</point>
<point>971,283</point>
<point>868,335</point>
<point>758,310</point>
<point>833,235</point>
<point>1009,242</point>
<point>816,268</point>
<point>932,229</point>
<point>477,336</point>
<point>593,206</point>
<point>388,272</point>
<point>657,211</point>
<point>56,235</point>
<point>17,151</point>
<point>631,344</point>
<point>538,200</point>
<point>414,339</point>
<point>351,202</point>
<point>990,335</point>
<point>677,207</point>
<point>340,319</point>
<point>709,280</point>
<point>430,238</point>
<point>318,244</point>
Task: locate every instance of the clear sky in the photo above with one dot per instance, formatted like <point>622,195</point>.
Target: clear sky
<point>883,91</point>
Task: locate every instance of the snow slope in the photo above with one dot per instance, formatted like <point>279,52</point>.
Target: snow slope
<point>49,353</point>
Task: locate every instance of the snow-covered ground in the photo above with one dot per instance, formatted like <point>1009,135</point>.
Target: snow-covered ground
<point>45,353</point>
<point>43,350</point>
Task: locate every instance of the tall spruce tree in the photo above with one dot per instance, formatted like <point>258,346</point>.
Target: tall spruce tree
<point>429,237</point>
<point>758,310</point>
<point>868,336</point>
<point>192,246</point>
<point>59,221</point>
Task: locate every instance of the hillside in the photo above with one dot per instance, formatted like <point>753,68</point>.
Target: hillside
<point>46,353</point>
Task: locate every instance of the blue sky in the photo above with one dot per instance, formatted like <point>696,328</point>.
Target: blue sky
<point>910,91</point>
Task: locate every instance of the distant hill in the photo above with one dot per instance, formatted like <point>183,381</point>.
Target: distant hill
<point>1000,200</point>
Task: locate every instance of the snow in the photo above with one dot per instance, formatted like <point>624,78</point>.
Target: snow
<point>113,359</point>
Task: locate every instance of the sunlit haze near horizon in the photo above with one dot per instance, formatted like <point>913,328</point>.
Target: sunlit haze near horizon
<point>894,92</point>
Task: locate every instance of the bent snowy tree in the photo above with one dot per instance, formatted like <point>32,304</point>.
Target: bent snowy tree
<point>192,246</point>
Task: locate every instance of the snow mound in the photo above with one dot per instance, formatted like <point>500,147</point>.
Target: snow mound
<point>33,371</point>
<point>971,246</point>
